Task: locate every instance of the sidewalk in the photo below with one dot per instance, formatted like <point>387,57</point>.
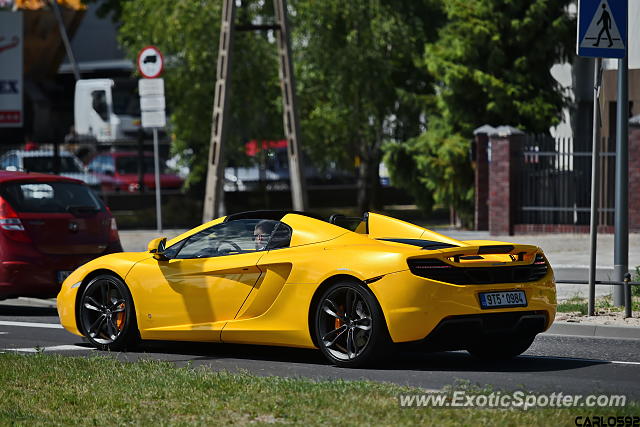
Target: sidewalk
<point>564,251</point>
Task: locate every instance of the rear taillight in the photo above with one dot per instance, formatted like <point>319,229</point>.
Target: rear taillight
<point>10,224</point>
<point>113,231</point>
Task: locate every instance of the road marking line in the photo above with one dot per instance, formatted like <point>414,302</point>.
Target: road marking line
<point>4,333</point>
<point>32,324</point>
<point>66,347</point>
<point>578,359</point>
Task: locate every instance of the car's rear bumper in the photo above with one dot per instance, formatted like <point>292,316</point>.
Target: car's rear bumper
<point>414,306</point>
<point>38,276</point>
<point>459,332</point>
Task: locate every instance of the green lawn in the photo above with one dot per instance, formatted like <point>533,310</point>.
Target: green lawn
<point>52,390</point>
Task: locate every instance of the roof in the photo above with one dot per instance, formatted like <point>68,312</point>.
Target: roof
<point>8,176</point>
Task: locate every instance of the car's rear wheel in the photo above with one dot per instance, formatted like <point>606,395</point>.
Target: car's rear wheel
<point>350,327</point>
<point>107,315</point>
<point>501,346</point>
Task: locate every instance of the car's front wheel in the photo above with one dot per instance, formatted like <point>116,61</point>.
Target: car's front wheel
<point>107,315</point>
<point>350,327</point>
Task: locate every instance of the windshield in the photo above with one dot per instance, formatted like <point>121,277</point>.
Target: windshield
<point>125,99</point>
<point>52,197</point>
<point>45,164</point>
<point>129,165</point>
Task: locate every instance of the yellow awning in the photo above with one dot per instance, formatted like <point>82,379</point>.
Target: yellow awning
<point>39,4</point>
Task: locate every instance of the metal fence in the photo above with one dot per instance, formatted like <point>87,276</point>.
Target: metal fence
<point>555,181</point>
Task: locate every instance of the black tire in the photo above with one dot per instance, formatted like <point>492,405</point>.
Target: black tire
<point>106,314</point>
<point>500,347</point>
<point>352,337</point>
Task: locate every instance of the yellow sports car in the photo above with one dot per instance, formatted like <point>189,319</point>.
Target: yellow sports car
<point>351,287</point>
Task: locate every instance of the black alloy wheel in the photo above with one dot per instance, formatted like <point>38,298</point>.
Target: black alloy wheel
<point>349,325</point>
<point>107,315</point>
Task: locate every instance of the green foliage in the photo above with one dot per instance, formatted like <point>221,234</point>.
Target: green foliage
<point>635,290</point>
<point>356,66</point>
<point>491,64</point>
<point>187,33</point>
<point>434,167</point>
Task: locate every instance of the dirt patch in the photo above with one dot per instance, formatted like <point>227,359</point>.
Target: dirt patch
<point>603,318</point>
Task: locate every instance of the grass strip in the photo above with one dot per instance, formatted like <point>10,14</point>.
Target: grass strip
<point>45,389</point>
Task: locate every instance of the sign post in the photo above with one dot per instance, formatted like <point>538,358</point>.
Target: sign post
<point>602,33</point>
<point>152,105</point>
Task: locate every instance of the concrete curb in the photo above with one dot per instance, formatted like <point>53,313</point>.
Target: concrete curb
<point>577,329</point>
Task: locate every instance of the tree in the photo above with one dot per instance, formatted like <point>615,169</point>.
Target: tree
<point>357,79</point>
<point>491,64</point>
<point>187,33</point>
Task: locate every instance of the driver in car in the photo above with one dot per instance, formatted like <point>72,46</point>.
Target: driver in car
<point>262,233</point>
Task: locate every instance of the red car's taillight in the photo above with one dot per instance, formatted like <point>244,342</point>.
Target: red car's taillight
<point>113,230</point>
<point>10,224</point>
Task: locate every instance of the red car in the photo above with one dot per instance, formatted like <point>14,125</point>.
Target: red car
<point>49,226</point>
<point>118,171</point>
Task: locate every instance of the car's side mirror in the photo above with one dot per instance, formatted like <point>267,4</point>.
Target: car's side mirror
<point>157,247</point>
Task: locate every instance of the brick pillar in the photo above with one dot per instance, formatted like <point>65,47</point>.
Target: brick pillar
<point>634,175</point>
<point>505,146</point>
<point>482,177</point>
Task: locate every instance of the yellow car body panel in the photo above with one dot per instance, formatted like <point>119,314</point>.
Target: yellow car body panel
<point>118,263</point>
<point>266,297</point>
<point>191,299</point>
<point>404,298</point>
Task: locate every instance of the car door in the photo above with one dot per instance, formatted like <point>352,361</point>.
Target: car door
<point>202,285</point>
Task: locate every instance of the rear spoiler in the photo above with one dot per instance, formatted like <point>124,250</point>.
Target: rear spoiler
<point>478,254</point>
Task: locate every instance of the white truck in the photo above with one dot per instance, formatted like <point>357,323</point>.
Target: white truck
<point>106,111</point>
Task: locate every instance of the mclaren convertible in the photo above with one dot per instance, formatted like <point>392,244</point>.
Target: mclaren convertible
<point>351,287</point>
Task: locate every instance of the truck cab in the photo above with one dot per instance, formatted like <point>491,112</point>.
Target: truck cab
<point>106,111</point>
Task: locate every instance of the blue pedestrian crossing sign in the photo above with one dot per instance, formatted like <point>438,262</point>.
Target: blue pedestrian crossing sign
<point>602,28</point>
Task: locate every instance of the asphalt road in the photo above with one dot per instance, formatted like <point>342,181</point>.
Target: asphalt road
<point>566,364</point>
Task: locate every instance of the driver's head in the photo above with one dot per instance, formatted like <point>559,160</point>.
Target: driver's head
<point>262,232</point>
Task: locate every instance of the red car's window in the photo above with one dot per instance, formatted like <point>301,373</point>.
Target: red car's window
<point>52,197</point>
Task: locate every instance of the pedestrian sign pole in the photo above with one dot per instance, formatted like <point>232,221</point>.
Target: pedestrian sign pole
<point>152,105</point>
<point>602,33</point>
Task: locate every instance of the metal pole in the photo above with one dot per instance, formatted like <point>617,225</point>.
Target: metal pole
<point>290,110</point>
<point>214,193</point>
<point>627,296</point>
<point>65,38</point>
<point>156,159</point>
<point>595,182</point>
<point>621,240</point>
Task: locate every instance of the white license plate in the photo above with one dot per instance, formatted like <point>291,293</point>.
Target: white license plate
<point>62,275</point>
<point>503,299</point>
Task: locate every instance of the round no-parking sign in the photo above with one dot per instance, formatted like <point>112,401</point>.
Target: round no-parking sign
<point>150,62</point>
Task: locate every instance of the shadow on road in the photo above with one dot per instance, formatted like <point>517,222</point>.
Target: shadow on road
<point>25,310</point>
<point>457,361</point>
